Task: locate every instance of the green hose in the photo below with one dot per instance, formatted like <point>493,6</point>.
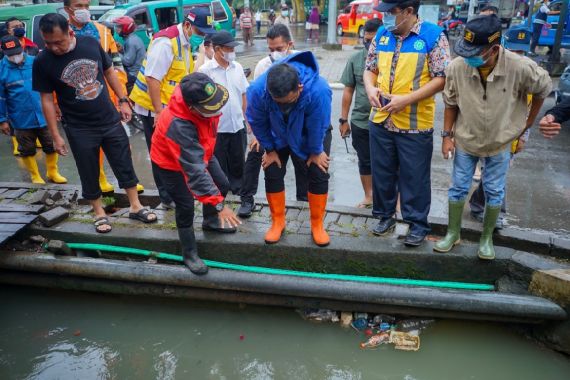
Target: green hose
<point>285,272</point>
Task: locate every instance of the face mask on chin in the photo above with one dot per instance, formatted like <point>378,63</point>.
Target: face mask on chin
<point>82,16</point>
<point>16,59</point>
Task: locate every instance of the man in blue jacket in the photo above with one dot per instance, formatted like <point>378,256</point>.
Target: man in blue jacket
<point>289,110</point>
<point>20,106</point>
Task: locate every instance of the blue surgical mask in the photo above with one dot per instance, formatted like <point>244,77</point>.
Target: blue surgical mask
<point>196,41</point>
<point>476,61</point>
<point>389,21</point>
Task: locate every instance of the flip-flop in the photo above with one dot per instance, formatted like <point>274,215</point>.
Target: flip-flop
<point>102,221</point>
<point>364,205</point>
<point>143,215</point>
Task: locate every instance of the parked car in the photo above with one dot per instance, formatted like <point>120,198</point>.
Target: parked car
<point>355,15</point>
<point>153,16</point>
<point>549,30</point>
<point>30,15</point>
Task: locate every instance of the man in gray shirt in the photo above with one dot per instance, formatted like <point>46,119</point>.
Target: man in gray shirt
<point>133,51</point>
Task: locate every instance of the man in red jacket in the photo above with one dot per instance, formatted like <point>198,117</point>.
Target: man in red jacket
<point>182,148</point>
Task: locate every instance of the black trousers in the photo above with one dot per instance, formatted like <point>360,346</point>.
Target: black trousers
<point>317,180</point>
<point>230,152</point>
<point>253,166</point>
<point>361,143</point>
<point>85,144</point>
<point>27,141</point>
<point>175,184</point>
<point>148,124</point>
<point>536,30</point>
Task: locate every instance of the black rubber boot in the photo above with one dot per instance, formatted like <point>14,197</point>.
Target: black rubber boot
<point>190,251</point>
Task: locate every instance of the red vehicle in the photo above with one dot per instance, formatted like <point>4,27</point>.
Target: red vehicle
<point>355,15</point>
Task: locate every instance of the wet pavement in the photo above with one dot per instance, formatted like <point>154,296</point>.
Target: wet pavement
<point>538,184</point>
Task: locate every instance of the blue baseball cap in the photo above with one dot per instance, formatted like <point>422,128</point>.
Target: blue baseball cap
<point>201,18</point>
<point>517,39</point>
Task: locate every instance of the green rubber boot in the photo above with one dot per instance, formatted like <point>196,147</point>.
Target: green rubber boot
<point>452,237</point>
<point>486,249</point>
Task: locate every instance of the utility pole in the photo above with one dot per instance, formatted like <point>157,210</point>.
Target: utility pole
<point>331,27</point>
<point>529,18</point>
<point>555,56</point>
<point>471,11</point>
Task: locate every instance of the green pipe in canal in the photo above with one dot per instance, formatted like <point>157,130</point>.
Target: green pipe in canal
<point>286,272</point>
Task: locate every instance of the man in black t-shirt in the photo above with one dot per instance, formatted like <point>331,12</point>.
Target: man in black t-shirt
<point>75,68</point>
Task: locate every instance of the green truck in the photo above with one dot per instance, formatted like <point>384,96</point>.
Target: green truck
<point>153,16</point>
<point>30,15</point>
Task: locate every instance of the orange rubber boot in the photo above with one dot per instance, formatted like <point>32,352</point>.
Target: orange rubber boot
<point>277,206</point>
<point>318,205</point>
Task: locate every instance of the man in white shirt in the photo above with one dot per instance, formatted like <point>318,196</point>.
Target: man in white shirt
<point>231,141</point>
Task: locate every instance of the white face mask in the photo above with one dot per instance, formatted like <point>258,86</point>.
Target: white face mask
<point>277,55</point>
<point>82,16</point>
<point>229,57</point>
<point>17,59</point>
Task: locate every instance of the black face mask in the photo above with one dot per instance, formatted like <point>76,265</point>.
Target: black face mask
<point>19,32</point>
<point>367,44</point>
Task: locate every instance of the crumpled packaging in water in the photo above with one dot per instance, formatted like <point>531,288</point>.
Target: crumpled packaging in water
<point>375,340</point>
<point>405,341</point>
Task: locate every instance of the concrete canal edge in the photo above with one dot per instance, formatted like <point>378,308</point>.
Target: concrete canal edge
<point>532,275</point>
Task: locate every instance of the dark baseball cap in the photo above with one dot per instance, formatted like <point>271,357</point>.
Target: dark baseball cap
<point>387,5</point>
<point>202,93</point>
<point>10,45</point>
<point>201,18</point>
<point>224,38</point>
<point>517,39</point>
<point>479,33</point>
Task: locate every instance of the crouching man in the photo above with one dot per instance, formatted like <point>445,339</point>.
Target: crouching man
<point>182,148</point>
<point>289,110</point>
<point>485,111</point>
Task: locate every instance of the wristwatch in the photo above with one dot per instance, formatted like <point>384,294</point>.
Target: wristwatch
<point>124,99</point>
<point>342,121</point>
<point>446,133</point>
<point>219,207</point>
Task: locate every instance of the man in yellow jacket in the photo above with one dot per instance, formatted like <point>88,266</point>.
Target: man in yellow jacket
<point>80,22</point>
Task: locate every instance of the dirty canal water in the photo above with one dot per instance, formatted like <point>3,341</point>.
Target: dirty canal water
<point>46,334</point>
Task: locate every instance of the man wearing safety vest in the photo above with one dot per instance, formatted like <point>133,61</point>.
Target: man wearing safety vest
<point>80,22</point>
<point>169,59</point>
<point>404,69</point>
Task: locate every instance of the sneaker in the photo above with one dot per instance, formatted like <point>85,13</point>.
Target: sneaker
<point>384,227</point>
<point>413,240</point>
<point>478,216</point>
<point>246,208</point>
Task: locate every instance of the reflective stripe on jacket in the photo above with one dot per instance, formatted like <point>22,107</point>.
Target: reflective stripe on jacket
<point>178,70</point>
<point>412,72</point>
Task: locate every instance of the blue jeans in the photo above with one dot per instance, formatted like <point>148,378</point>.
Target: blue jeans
<point>494,179</point>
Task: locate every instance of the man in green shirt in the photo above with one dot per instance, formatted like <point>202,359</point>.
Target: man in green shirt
<point>353,84</point>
